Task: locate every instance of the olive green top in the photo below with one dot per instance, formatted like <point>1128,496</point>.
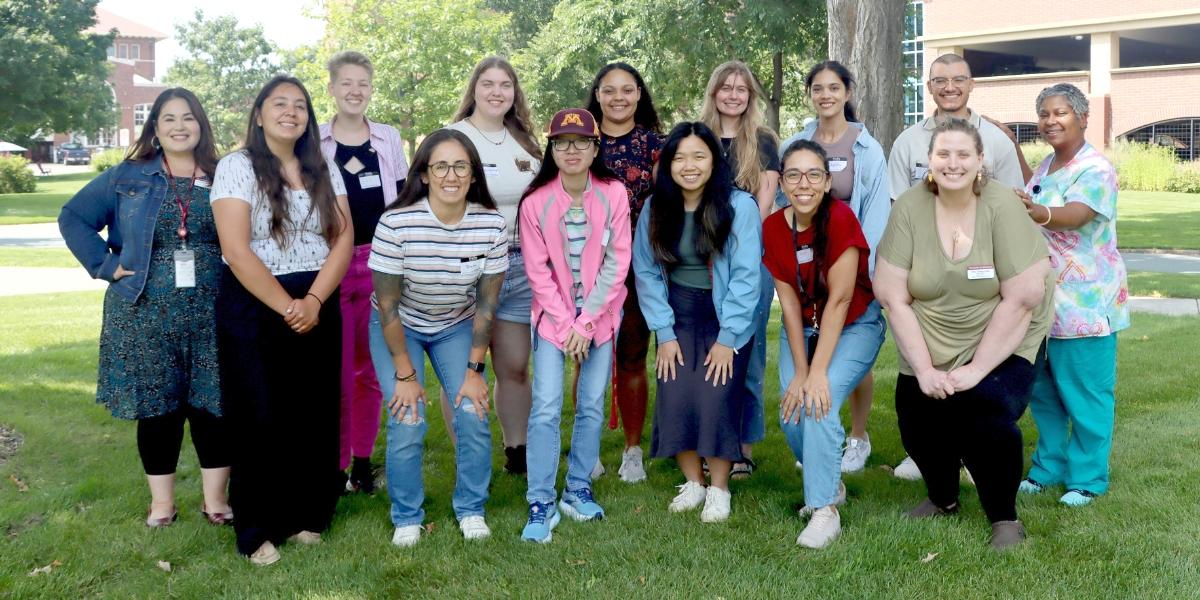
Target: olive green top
<point>692,270</point>
<point>954,299</point>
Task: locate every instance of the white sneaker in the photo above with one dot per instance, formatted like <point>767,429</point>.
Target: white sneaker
<point>716,505</point>
<point>407,536</point>
<point>807,510</point>
<point>825,525</point>
<point>907,469</point>
<point>632,470</point>
<point>799,466</point>
<point>474,527</point>
<point>597,470</point>
<point>855,456</point>
<point>691,496</point>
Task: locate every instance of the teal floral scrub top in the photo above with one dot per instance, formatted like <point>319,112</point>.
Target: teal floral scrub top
<point>1091,295</point>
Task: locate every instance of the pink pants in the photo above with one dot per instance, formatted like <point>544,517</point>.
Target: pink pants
<point>361,399</point>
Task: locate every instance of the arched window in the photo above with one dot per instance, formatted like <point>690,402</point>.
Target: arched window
<point>1180,135</point>
<point>1026,132</point>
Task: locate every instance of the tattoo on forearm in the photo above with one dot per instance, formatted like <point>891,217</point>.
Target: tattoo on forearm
<point>487,296</point>
<point>388,289</point>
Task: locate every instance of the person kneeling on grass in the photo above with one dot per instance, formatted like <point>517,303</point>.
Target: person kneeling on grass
<point>697,257</point>
<point>575,229</point>
<point>832,327</point>
<point>437,262</point>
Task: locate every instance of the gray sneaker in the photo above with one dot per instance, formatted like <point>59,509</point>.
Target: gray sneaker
<point>854,458</point>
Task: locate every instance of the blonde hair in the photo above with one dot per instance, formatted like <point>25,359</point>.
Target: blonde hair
<point>516,120</point>
<point>349,57</point>
<point>750,127</point>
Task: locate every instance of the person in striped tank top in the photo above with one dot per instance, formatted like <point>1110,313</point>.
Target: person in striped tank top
<point>438,260</point>
<point>575,232</point>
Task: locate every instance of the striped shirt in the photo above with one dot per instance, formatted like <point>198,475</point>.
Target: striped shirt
<point>441,263</point>
<point>577,229</point>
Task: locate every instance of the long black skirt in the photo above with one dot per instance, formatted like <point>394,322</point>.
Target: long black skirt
<point>689,412</point>
<point>282,392</point>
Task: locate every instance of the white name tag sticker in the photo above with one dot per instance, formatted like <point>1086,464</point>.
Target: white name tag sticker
<point>804,255</point>
<point>491,169</point>
<point>185,269</point>
<point>918,173</point>
<point>981,272</point>
<point>606,237</point>
<point>367,181</point>
<point>838,163</point>
<point>203,182</point>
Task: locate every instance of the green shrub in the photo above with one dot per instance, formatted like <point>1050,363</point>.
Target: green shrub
<point>1143,167</point>
<point>1035,152</point>
<point>15,176</point>
<point>102,161</point>
<point>1186,179</point>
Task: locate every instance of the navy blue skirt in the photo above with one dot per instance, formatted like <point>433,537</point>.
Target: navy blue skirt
<point>689,412</point>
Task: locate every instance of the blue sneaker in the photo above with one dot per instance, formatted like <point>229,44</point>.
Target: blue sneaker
<point>579,505</point>
<point>542,519</point>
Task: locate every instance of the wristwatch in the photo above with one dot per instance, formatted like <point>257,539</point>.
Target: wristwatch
<point>478,367</point>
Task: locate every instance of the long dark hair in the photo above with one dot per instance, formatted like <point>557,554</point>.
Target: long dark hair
<point>847,80</point>
<point>820,222</point>
<point>517,118</point>
<point>415,189</point>
<point>644,115</point>
<point>549,170</point>
<point>205,152</point>
<point>714,215</point>
<point>314,172</point>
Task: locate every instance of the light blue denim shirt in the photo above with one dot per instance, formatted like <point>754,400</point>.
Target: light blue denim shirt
<point>871,199</point>
<point>735,274</point>
<point>125,199</point>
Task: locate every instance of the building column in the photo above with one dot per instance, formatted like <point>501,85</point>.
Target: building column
<point>1105,56</point>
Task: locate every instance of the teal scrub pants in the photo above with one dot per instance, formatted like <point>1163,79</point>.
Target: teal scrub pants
<point>1073,405</point>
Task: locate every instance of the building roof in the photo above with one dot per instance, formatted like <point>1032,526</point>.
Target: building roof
<point>106,21</point>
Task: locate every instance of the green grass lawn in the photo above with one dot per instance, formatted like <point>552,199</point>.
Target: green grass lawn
<point>1162,220</point>
<point>42,206</point>
<point>1165,285</point>
<point>87,497</point>
<point>37,257</point>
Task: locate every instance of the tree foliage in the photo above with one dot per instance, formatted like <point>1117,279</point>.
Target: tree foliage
<point>675,44</point>
<point>226,65</point>
<point>52,73</point>
<point>422,50</point>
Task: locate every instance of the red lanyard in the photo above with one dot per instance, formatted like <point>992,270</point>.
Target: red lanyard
<point>800,280</point>
<point>184,207</point>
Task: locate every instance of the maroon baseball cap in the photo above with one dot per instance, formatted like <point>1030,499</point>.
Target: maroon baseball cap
<point>573,120</point>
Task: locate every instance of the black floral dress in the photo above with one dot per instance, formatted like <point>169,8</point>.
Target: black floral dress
<point>160,351</point>
<point>632,157</point>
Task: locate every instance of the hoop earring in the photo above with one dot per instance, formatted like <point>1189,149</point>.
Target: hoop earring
<point>979,178</point>
<point>155,144</point>
<point>929,176</point>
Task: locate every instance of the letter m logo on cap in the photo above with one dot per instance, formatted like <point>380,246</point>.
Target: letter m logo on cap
<point>571,119</point>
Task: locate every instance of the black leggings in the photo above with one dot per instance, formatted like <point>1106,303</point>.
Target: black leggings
<point>160,438</point>
<point>977,428</point>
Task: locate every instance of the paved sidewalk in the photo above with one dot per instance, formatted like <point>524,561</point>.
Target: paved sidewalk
<point>36,235</point>
<point>17,281</point>
<point>1161,263</point>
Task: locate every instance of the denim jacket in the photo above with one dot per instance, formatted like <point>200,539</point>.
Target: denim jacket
<point>125,199</point>
<point>871,199</point>
<point>735,274</point>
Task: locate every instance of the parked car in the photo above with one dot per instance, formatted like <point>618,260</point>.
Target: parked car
<point>73,153</point>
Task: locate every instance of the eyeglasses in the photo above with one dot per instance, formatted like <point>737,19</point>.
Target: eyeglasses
<point>940,82</point>
<point>793,176</point>
<point>441,169</point>
<point>580,144</point>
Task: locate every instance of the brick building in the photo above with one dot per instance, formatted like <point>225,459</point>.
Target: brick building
<point>131,57</point>
<point>1137,60</point>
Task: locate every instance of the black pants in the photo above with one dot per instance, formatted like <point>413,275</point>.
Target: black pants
<point>282,392</point>
<point>160,438</point>
<point>978,428</point>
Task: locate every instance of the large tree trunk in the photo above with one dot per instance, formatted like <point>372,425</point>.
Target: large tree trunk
<point>865,35</point>
<point>775,96</point>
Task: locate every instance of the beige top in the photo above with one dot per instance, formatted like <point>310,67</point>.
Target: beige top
<point>954,299</point>
<point>909,160</point>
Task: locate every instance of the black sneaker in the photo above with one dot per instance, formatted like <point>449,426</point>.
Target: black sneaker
<point>515,460</point>
<point>362,476</point>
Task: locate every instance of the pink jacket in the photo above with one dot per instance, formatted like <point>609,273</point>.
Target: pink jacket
<point>604,265</point>
<point>389,147</point>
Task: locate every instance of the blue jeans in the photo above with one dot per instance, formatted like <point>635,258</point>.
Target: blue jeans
<point>449,351</point>
<point>754,427</point>
<point>543,448</point>
<point>818,442</point>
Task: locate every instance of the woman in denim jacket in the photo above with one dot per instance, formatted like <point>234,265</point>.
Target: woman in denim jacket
<point>158,357</point>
